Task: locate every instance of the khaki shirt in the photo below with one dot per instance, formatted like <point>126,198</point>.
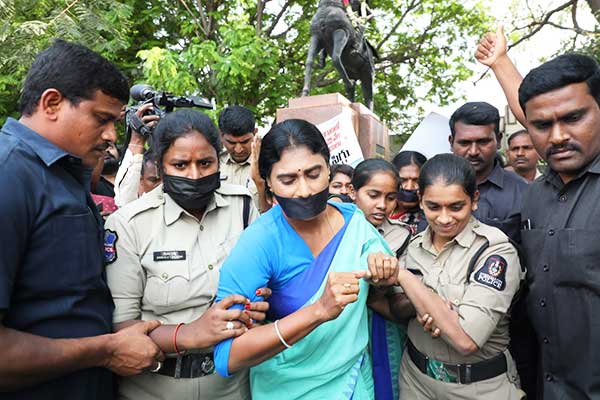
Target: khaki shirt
<point>395,233</point>
<point>482,303</point>
<point>167,268</point>
<point>238,174</point>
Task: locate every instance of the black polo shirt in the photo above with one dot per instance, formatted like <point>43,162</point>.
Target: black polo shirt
<point>500,197</point>
<point>561,240</point>
<point>52,279</point>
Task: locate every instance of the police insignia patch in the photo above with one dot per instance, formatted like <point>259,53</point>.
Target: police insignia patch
<point>493,272</point>
<point>110,248</point>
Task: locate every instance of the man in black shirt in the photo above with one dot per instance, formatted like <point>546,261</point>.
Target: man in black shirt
<point>561,222</point>
<point>106,184</point>
<point>475,135</point>
<point>55,306</point>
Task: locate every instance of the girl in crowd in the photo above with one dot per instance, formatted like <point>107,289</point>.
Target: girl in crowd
<point>461,278</point>
<point>376,183</point>
<point>407,210</point>
<point>164,252</point>
<point>309,252</point>
<point>340,182</point>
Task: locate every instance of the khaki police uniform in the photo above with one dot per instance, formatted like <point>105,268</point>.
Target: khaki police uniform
<point>238,174</point>
<point>165,266</point>
<point>396,234</point>
<point>482,302</point>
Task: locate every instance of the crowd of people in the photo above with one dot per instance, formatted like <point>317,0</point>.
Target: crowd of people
<point>211,263</point>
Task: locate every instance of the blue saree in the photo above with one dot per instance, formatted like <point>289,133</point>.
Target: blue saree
<point>333,361</point>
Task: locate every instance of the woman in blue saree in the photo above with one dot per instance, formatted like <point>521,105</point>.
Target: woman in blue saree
<point>313,255</point>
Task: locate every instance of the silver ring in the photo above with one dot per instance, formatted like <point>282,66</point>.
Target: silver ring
<point>229,326</point>
<point>157,368</point>
<point>347,285</point>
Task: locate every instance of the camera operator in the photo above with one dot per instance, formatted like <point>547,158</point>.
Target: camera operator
<point>130,171</point>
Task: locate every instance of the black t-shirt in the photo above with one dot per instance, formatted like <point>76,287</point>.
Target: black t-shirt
<point>105,188</point>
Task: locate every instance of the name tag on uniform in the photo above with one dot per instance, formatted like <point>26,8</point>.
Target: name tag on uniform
<point>173,255</point>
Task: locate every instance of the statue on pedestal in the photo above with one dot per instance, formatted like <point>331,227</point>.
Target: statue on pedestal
<point>337,29</point>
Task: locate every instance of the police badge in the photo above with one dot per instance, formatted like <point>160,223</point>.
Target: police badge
<point>110,248</point>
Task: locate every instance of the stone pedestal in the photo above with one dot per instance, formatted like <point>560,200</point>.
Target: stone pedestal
<point>371,132</point>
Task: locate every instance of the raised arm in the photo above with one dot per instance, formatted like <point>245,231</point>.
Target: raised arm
<point>491,52</point>
<point>263,203</point>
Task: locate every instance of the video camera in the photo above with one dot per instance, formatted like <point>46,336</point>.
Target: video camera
<point>162,103</point>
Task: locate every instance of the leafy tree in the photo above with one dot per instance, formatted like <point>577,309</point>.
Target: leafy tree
<point>27,26</point>
<point>249,52</point>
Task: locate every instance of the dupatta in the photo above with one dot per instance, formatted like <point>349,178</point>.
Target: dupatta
<point>332,362</point>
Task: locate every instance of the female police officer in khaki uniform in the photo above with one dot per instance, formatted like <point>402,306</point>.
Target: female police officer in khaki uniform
<point>164,252</point>
<point>463,275</point>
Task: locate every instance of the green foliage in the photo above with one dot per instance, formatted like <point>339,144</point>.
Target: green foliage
<point>249,52</point>
<point>28,26</point>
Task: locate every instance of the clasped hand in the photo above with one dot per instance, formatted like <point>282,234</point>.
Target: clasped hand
<point>343,288</point>
<point>221,321</point>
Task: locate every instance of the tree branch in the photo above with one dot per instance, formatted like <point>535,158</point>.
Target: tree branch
<point>196,21</point>
<point>277,18</point>
<point>539,25</point>
<point>413,4</point>
<point>203,19</point>
<point>260,9</point>
<point>66,10</point>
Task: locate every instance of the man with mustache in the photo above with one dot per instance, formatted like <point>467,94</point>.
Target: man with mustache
<point>522,156</point>
<point>55,305</point>
<point>560,100</point>
<point>559,103</point>
<point>475,135</point>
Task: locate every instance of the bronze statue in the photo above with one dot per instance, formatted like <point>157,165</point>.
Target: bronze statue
<point>336,30</point>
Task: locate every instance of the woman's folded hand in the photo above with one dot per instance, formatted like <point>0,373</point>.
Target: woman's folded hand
<point>342,288</point>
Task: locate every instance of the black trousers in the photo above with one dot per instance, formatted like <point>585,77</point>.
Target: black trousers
<point>524,348</point>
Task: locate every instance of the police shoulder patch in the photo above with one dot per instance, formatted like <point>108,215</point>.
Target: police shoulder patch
<point>110,248</point>
<point>493,272</point>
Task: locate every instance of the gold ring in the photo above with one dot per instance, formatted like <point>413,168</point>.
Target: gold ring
<point>347,285</point>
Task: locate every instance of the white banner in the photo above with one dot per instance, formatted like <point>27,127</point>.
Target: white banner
<point>430,137</point>
<point>341,139</point>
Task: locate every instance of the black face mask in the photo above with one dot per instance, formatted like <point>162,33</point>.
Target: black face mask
<point>305,209</point>
<point>191,194</point>
<point>408,196</point>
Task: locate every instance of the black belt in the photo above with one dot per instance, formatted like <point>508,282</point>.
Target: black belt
<point>188,366</point>
<point>457,373</point>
